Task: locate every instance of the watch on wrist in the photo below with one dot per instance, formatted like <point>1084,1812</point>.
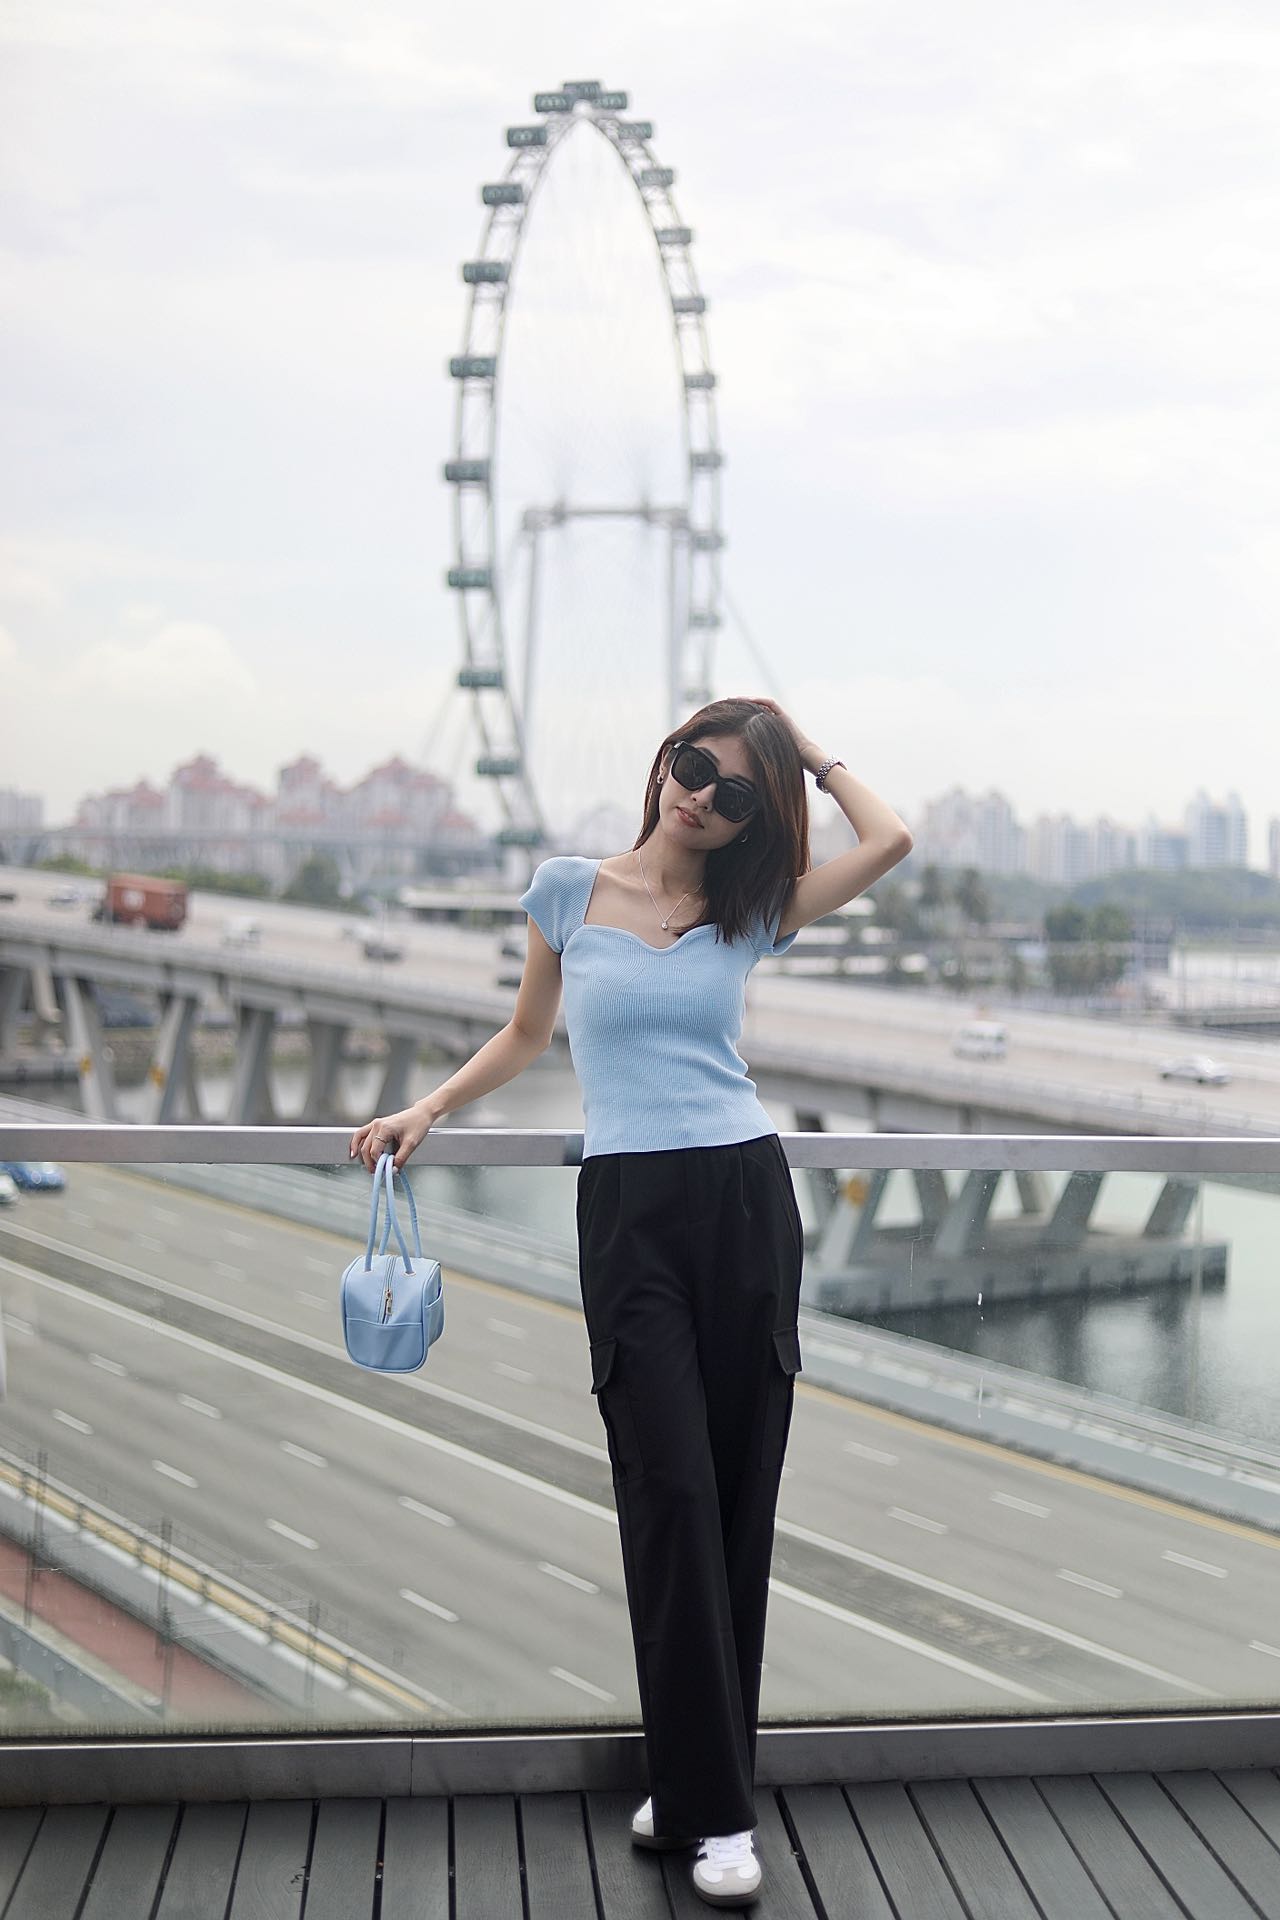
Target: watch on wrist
<point>820,777</point>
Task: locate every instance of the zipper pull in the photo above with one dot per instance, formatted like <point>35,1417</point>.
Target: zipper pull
<point>386,1306</point>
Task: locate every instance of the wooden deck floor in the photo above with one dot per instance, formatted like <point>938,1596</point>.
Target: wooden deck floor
<point>1181,1846</point>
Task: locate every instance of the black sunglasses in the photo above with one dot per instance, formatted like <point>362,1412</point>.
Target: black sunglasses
<point>693,769</point>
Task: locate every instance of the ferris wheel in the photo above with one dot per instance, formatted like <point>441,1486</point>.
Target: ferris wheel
<point>498,570</point>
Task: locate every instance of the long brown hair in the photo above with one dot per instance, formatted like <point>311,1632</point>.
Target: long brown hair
<point>744,883</point>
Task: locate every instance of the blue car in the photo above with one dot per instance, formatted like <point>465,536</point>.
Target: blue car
<point>35,1176</point>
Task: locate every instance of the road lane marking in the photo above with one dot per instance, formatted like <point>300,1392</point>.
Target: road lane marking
<point>863,1452</point>
<point>69,1420</point>
<point>314,1300</point>
<point>108,1366</point>
<point>1021,1506</point>
<point>303,1453</point>
<point>906,1641</point>
<point>174,1473</point>
<point>428,1513</point>
<point>428,1606</point>
<point>291,1533</point>
<point>576,1502</point>
<point>584,1686</point>
<point>917,1520</point>
<point>508,1327</point>
<point>224,1309</point>
<point>165,1216</point>
<point>946,1591</point>
<point>149,1241</point>
<point>227,1271</point>
<point>1094,1586</point>
<point>1196,1566</point>
<point>512,1373</point>
<point>14,1325</point>
<point>238,1239</point>
<point>569,1579</point>
<point>199,1406</point>
<point>1260,1646</point>
<point>316,1265</point>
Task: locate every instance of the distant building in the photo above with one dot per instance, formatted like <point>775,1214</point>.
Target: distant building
<point>1162,848</point>
<point>967,830</point>
<point>20,811</point>
<point>1061,851</point>
<point>1273,848</point>
<point>397,820</point>
<point>1217,834</point>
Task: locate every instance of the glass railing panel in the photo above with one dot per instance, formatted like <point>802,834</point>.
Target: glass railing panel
<point>1034,1462</point>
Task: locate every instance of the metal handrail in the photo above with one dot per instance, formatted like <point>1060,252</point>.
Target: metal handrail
<point>113,1141</point>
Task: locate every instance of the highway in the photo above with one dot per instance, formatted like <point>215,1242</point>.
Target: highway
<point>179,1357</point>
<point>801,1016</point>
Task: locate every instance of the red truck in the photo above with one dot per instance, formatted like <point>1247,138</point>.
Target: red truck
<point>140,900</point>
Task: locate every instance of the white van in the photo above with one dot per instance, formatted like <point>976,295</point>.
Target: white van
<point>981,1040</point>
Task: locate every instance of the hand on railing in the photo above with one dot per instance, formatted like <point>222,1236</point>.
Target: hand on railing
<point>399,1133</point>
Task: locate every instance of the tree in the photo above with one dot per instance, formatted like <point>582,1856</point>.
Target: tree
<point>1066,924</point>
<point>973,899</point>
<point>933,890</point>
<point>316,883</point>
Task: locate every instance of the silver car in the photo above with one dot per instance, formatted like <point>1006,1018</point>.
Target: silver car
<point>1198,1067</point>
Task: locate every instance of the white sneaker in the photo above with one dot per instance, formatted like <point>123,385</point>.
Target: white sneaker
<point>726,1872</point>
<point>642,1833</point>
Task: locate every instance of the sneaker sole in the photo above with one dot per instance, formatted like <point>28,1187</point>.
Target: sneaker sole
<point>727,1899</point>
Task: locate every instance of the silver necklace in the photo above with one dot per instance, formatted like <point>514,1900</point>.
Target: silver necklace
<point>657,909</point>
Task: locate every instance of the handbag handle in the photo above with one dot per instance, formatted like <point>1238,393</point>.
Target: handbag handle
<point>384,1176</point>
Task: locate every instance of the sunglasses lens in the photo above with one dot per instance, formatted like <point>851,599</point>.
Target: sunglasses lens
<point>694,770</point>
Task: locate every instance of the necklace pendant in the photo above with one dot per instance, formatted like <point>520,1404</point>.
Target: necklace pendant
<point>665,925</point>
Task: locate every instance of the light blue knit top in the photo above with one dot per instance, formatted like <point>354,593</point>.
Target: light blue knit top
<point>653,1031</point>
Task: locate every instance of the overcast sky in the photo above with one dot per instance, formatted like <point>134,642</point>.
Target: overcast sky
<point>995,296</point>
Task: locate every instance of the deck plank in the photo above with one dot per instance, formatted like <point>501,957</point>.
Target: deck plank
<point>17,1831</point>
<point>1259,1794</point>
<point>1112,1856</point>
<point>486,1861</point>
<point>198,1883</point>
<point>59,1864</point>
<point>630,1878</point>
<point>342,1876</point>
<point>272,1874</point>
<point>1164,1834</point>
<point>1045,1857</point>
<point>842,1870</point>
<point>903,1852</point>
<point>415,1860</point>
<point>987,1881</point>
<point>1226,1828</point>
<point>557,1865</point>
<point>127,1876</point>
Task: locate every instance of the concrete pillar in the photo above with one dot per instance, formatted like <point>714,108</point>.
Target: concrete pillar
<point>823,1183</point>
<point>44,998</point>
<point>328,1039</point>
<point>402,1051</point>
<point>171,1072</point>
<point>849,1230</point>
<point>1071,1216</point>
<point>84,1033</point>
<point>1172,1209</point>
<point>251,1103</point>
<point>1033,1191</point>
<point>931,1191</point>
<point>13,991</point>
<point>966,1216</point>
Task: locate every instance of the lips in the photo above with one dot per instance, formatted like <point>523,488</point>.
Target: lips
<point>687,817</point>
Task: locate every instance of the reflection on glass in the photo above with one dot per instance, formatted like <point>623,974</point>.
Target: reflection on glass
<point>1030,1468</point>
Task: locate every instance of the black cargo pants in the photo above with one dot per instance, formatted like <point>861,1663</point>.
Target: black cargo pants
<point>690,1264</point>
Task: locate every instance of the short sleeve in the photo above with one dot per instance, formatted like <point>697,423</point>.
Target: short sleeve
<point>544,902</point>
<point>765,937</point>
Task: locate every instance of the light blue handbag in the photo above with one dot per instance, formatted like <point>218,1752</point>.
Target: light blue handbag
<point>392,1306</point>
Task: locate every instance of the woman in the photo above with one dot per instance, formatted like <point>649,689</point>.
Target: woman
<point>689,1238</point>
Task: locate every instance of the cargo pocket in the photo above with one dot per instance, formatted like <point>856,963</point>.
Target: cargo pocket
<point>615,1410</point>
<point>779,1394</point>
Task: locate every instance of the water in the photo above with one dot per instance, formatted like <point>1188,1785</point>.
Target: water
<point>1211,1361</point>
